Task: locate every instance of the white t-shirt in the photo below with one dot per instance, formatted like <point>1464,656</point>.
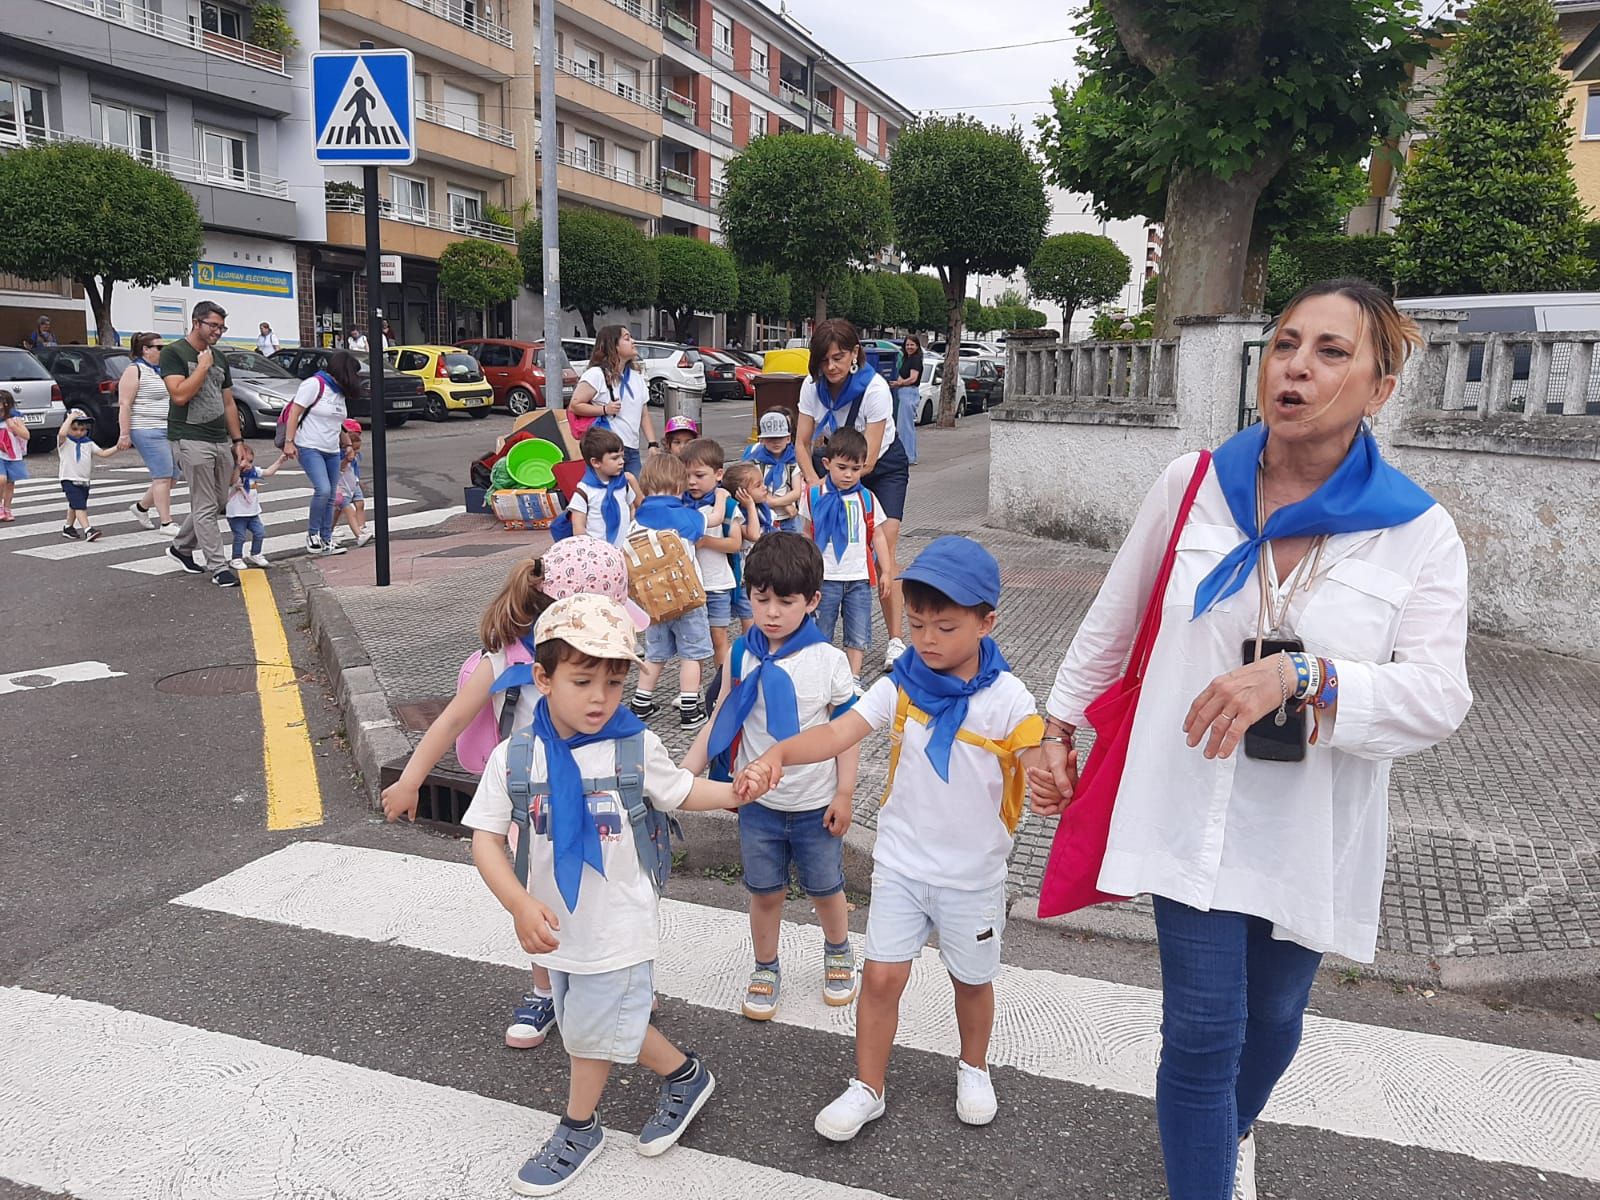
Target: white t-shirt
<point>716,572</point>
<point>590,501</point>
<point>75,461</point>
<point>615,925</point>
<point>853,564</point>
<point>357,341</point>
<point>267,345</point>
<point>822,682</point>
<point>948,833</point>
<point>626,423</point>
<point>877,404</point>
<point>244,500</point>
<point>322,419</point>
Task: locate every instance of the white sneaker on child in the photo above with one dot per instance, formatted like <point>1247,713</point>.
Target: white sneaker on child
<point>258,560</point>
<point>236,563</point>
<point>975,1101</point>
<point>843,1119</point>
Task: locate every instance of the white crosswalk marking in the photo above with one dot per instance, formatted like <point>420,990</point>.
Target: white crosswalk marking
<point>114,1105</point>
<point>123,516</point>
<point>1491,1102</point>
<point>99,497</point>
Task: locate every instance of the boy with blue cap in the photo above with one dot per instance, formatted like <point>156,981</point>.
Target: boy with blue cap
<point>958,720</point>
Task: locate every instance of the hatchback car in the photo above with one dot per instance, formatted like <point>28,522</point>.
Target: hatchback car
<point>724,380</point>
<point>515,370</point>
<point>40,401</point>
<point>451,377</point>
<point>262,389</point>
<point>980,385</point>
<point>662,365</point>
<point>403,395</point>
<point>89,377</point>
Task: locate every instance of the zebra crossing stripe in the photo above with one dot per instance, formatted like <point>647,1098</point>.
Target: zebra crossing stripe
<point>99,497</point>
<point>1493,1103</point>
<point>109,1104</point>
<point>36,529</point>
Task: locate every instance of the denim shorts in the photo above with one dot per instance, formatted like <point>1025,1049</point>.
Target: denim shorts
<point>346,499</point>
<point>904,911</point>
<point>742,609</point>
<point>770,840</point>
<point>77,494</point>
<point>719,607</point>
<point>156,452</point>
<point>13,469</point>
<point>604,1016</point>
<point>688,637</point>
<point>854,596</point>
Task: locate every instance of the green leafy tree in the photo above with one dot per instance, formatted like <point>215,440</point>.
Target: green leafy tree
<point>1077,270</point>
<point>695,277</point>
<point>974,317</point>
<point>866,302</point>
<point>806,204</point>
<point>965,198</point>
<point>900,304</point>
<point>479,274</point>
<point>763,292</point>
<point>1488,203</point>
<point>606,262</point>
<point>1296,262</point>
<point>933,310</point>
<point>96,216</point>
<point>1147,295</point>
<point>1196,111</point>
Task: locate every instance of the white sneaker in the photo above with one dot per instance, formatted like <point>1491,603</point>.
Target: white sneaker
<point>330,549</point>
<point>843,1119</point>
<point>313,544</point>
<point>975,1102</point>
<point>146,517</point>
<point>236,563</point>
<point>363,537</point>
<point>258,560</point>
<point>893,651</point>
<point>1244,1174</point>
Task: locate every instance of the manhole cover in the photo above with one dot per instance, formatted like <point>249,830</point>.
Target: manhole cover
<point>230,679</point>
<point>417,715</point>
<point>469,551</point>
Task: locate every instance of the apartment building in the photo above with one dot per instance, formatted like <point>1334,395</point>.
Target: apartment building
<point>179,85</point>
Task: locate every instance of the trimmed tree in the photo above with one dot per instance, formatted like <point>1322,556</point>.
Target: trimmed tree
<point>695,277</point>
<point>97,216</point>
<point>933,310</point>
<point>479,274</point>
<point>1078,270</point>
<point>866,302</point>
<point>805,203</point>
<point>900,307</point>
<point>763,292</point>
<point>965,198</point>
<point>606,262</point>
<point>1488,203</point>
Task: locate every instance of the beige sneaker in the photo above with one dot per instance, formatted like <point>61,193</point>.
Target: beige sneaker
<point>1244,1174</point>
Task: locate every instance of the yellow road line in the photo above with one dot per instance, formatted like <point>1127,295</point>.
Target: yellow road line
<point>294,799</point>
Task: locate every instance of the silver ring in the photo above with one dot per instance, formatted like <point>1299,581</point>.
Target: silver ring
<point>1230,718</point>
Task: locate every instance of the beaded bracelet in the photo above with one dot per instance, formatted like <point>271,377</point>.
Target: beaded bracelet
<point>1302,676</point>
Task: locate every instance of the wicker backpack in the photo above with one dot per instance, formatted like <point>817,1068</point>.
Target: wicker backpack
<point>662,578</point>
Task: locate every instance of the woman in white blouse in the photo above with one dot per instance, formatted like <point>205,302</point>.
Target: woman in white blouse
<point>1253,805</point>
<point>612,387</point>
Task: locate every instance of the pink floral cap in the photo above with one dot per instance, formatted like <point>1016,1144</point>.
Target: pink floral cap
<point>589,566</point>
<point>681,423</point>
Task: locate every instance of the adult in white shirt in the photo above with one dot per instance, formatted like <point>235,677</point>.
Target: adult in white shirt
<point>357,341</point>
<point>843,390</point>
<point>613,388</point>
<point>311,435</point>
<point>267,343</point>
<point>1257,866</point>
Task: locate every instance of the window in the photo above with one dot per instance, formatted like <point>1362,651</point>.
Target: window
<point>587,62</point>
<point>627,79</point>
<point>722,33</point>
<point>721,106</point>
<point>465,207</point>
<point>758,57</point>
<point>625,164</point>
<point>758,123</point>
<point>126,128</point>
<point>219,18</point>
<point>495,355</point>
<point>222,156</point>
<point>872,130</point>
<point>22,113</point>
<point>409,197</point>
<point>1591,114</point>
<point>463,105</point>
<point>586,152</point>
<point>847,106</point>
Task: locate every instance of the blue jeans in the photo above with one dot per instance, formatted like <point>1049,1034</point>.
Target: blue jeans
<point>906,400</point>
<point>322,469</point>
<point>769,841</point>
<point>253,527</point>
<point>854,598</point>
<point>631,461</point>
<point>1233,1001</point>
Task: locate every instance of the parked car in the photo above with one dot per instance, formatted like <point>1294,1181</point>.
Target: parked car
<point>88,376</point>
<point>724,380</point>
<point>979,384</point>
<point>662,364</point>
<point>452,379</point>
<point>262,389</point>
<point>970,348</point>
<point>515,370</point>
<point>746,367</point>
<point>403,395</point>
<point>40,401</point>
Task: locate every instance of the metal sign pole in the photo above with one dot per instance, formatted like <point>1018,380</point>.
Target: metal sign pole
<point>555,362</point>
<point>380,416</point>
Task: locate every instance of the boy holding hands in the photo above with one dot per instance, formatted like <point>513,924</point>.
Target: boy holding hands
<point>686,638</point>
<point>959,720</point>
<point>603,502</point>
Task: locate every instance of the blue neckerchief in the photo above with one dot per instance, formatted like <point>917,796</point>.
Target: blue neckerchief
<point>764,511</point>
<point>518,675</point>
<point>1363,493</point>
<point>706,501</point>
<point>830,518</point>
<point>854,387</point>
<point>573,835</point>
<point>78,444</point>
<point>610,508</point>
<point>247,479</point>
<point>670,512</point>
<point>773,682</point>
<point>944,697</point>
<point>774,463</point>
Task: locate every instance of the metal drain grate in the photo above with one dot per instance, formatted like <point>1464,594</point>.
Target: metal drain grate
<point>417,715</point>
<point>441,800</point>
<point>229,679</point>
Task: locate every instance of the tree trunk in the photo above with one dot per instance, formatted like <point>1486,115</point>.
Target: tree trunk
<point>1066,323</point>
<point>955,295</point>
<point>1207,241</point>
<point>1253,296</point>
<point>588,316</point>
<point>680,323</point>
<point>821,312</point>
<point>100,303</point>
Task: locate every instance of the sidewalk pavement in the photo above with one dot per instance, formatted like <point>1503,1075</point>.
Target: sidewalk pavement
<point>1494,864</point>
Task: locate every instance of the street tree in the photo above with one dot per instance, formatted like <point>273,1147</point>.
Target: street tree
<point>933,310</point>
<point>97,216</point>
<point>695,277</point>
<point>866,301</point>
<point>479,274</point>
<point>1078,270</point>
<point>965,198</point>
<point>606,262</point>
<point>1191,110</point>
<point>900,305</point>
<point>763,292</point>
<point>1488,203</point>
<point>807,204</point>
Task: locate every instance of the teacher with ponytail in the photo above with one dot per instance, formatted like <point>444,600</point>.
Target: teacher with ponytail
<point>1312,630</point>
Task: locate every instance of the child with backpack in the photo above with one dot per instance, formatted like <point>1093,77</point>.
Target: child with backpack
<point>589,786</point>
<point>841,517</point>
<point>602,504</point>
<point>774,453</point>
<point>958,720</point>
<point>13,451</point>
<point>349,501</point>
<point>494,696</point>
<point>753,518</point>
<point>680,431</point>
<point>782,678</point>
<point>75,454</point>
<point>717,553</point>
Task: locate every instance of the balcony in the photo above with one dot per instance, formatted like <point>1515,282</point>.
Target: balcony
<point>677,183</point>
<point>182,32</point>
<point>580,86</point>
<point>681,27</point>
<point>594,166</point>
<point>407,230</point>
<point>451,119</point>
<point>823,110</point>
<point>466,16</point>
<point>637,11</point>
<point>790,94</point>
<point>465,142</point>
<point>590,179</point>
<point>453,31</point>
<point>630,25</point>
<point>678,106</point>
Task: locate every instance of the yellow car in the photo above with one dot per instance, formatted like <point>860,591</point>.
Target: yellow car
<point>450,376</point>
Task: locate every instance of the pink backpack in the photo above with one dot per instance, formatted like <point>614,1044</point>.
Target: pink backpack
<point>478,740</point>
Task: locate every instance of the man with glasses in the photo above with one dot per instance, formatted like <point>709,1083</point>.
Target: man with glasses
<point>201,422</point>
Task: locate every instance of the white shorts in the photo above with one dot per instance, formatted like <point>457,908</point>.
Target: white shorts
<point>604,1016</point>
<point>905,911</point>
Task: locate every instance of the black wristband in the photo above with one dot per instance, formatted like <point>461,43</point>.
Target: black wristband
<point>653,446</point>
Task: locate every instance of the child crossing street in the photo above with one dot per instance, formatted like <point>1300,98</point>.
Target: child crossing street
<point>75,455</point>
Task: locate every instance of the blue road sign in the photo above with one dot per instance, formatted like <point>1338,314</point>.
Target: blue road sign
<point>362,102</point>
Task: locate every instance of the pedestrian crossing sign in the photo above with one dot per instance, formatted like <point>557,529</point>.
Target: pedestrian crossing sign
<point>361,101</point>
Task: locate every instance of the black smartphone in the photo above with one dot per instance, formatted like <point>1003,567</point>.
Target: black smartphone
<point>1266,739</point>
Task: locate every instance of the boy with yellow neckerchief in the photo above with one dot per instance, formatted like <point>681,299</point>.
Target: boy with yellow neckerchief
<point>958,719</point>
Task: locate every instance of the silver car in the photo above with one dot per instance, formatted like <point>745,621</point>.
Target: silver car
<point>38,395</point>
<point>262,389</point>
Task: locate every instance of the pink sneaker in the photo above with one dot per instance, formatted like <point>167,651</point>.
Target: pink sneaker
<point>5,515</point>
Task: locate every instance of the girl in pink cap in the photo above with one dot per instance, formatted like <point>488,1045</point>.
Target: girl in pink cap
<point>349,501</point>
<point>476,720</point>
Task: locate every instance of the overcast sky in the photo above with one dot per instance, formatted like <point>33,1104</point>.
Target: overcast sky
<point>996,86</point>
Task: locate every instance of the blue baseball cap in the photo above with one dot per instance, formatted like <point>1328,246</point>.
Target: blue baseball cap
<point>960,568</point>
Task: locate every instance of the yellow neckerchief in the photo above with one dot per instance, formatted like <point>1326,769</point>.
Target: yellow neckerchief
<point>1024,737</point>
